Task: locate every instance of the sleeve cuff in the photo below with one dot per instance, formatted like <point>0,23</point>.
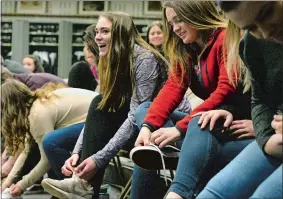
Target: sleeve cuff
<point>97,163</point>
<point>180,130</point>
<point>149,126</point>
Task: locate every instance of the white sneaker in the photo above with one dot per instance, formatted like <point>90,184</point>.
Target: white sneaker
<point>6,194</point>
<point>74,188</point>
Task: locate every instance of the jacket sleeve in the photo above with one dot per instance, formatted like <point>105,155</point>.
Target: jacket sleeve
<point>41,123</point>
<point>167,100</point>
<point>218,96</point>
<point>262,116</point>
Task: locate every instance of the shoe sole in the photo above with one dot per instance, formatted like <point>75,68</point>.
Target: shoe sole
<point>149,159</point>
<point>54,191</point>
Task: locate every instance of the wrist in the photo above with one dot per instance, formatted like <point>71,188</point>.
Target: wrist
<point>146,126</point>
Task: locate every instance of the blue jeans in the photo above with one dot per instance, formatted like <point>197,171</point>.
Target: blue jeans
<point>202,155</point>
<point>59,144</point>
<point>251,174</point>
<point>145,183</point>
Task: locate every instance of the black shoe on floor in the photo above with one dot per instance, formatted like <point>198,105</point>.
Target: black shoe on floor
<point>34,189</point>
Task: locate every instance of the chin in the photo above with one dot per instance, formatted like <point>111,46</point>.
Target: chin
<point>102,54</point>
<point>187,41</point>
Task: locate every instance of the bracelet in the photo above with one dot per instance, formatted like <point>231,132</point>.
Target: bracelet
<point>147,126</point>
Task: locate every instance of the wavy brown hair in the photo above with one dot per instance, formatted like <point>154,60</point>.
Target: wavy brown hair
<point>89,39</point>
<point>116,69</point>
<point>16,102</point>
<point>201,15</point>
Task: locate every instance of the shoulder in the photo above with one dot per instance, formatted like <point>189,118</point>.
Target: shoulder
<point>76,92</point>
<point>219,36</point>
<point>46,76</point>
<point>141,54</point>
<point>37,111</point>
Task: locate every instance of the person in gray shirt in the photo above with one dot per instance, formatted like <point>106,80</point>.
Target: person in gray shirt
<point>131,72</point>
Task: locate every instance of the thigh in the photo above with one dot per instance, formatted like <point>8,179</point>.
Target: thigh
<point>141,112</point>
<point>228,151</point>
<point>177,116</point>
<point>64,137</point>
<point>237,179</point>
<point>271,187</point>
<point>196,159</point>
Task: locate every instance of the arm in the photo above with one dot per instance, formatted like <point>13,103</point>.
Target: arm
<point>8,165</point>
<point>79,143</point>
<point>167,100</point>
<point>146,76</point>
<point>16,168</point>
<point>262,116</point>
<point>273,146</point>
<point>223,90</point>
<point>41,123</point>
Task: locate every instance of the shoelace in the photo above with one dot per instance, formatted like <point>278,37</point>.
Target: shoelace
<point>162,160</point>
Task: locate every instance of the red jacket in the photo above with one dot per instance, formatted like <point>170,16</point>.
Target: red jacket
<point>214,79</point>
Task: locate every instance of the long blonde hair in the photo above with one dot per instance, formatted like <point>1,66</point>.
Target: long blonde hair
<point>116,69</point>
<point>16,101</point>
<point>236,69</point>
<point>201,15</point>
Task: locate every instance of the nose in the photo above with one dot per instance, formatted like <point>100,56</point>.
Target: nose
<point>98,36</point>
<point>176,28</point>
<point>155,35</point>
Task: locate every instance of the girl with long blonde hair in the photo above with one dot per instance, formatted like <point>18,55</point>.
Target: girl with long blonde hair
<point>28,116</point>
<point>194,42</point>
<point>131,72</point>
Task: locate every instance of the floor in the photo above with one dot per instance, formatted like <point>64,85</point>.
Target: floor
<point>113,193</point>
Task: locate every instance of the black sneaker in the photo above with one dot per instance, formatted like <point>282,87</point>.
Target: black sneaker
<point>153,158</point>
<point>34,189</point>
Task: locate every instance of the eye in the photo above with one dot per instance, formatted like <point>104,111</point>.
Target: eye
<point>178,20</point>
<point>105,31</point>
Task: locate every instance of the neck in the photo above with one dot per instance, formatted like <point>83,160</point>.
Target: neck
<point>201,44</point>
<point>203,39</point>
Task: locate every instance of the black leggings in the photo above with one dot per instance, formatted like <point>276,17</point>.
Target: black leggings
<point>100,127</point>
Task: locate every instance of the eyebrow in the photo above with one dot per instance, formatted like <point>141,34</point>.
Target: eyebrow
<point>260,15</point>
<point>174,18</point>
<point>103,28</point>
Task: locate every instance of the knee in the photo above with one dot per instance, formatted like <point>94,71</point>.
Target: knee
<point>193,124</point>
<point>48,142</point>
<point>142,109</point>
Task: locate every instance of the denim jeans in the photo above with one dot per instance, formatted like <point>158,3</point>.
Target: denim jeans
<point>147,184</point>
<point>59,144</point>
<point>252,174</point>
<point>202,155</point>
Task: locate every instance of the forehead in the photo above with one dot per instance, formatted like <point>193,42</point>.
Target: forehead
<point>245,12</point>
<point>28,59</point>
<point>170,13</point>
<point>103,22</point>
<point>155,28</point>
